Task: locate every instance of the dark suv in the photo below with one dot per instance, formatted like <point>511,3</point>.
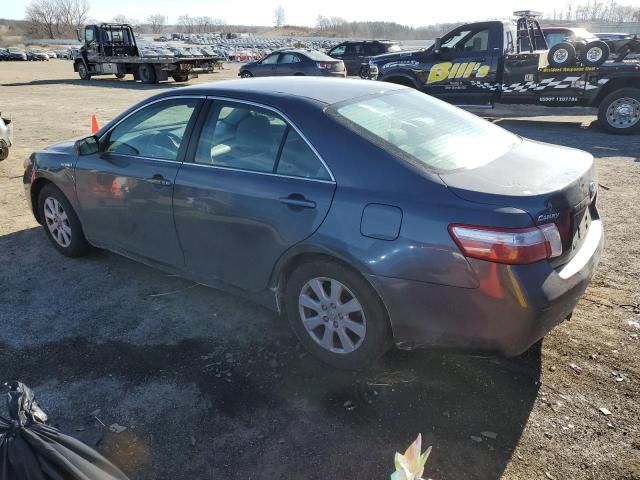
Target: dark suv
<point>354,54</point>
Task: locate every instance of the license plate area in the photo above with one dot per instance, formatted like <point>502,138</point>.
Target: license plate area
<point>583,221</point>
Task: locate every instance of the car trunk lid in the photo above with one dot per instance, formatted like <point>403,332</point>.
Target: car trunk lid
<point>553,184</point>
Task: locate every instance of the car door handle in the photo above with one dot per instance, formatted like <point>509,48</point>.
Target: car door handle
<point>296,200</point>
<point>159,180</point>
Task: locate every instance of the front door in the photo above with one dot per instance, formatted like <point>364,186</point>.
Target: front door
<point>266,67</point>
<point>465,70</point>
<point>125,191</point>
<point>251,188</point>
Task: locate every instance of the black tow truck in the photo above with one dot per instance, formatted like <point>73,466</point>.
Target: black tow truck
<point>480,64</point>
<point>111,49</point>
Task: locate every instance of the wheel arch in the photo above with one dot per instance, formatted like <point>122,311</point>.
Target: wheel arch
<point>289,263</point>
<point>36,187</point>
<point>400,78</point>
<point>616,83</point>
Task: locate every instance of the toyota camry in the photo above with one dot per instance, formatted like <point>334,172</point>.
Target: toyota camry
<point>369,214</point>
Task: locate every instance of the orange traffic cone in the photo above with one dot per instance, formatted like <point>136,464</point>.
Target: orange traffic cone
<point>95,126</point>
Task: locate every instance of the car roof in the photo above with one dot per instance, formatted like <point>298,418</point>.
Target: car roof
<point>325,90</point>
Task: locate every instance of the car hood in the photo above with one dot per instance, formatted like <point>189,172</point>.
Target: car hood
<point>63,147</point>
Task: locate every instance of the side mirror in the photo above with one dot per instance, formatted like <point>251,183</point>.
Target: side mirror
<point>87,146</point>
<point>437,45</point>
<point>78,35</point>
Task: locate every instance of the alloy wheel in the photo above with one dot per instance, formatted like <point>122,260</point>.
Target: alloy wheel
<point>57,222</point>
<point>332,315</point>
<point>624,112</point>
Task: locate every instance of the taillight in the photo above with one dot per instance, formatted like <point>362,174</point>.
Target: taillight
<point>508,245</point>
<point>324,66</point>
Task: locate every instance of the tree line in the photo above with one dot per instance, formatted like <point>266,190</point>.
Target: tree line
<point>595,11</point>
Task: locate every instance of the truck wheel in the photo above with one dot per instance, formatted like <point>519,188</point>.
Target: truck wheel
<point>147,73</point>
<point>562,55</point>
<point>596,53</point>
<point>120,75</point>
<point>83,71</point>
<point>619,112</point>
<point>181,77</point>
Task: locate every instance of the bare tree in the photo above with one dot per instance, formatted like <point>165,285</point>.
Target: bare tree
<point>72,15</point>
<point>186,23</point>
<point>120,18</point>
<point>157,22</point>
<point>279,16</point>
<point>43,15</point>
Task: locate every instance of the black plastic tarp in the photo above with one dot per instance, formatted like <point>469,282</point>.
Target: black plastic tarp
<point>32,450</point>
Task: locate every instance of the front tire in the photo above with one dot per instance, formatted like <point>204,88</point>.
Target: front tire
<point>83,71</point>
<point>120,75</point>
<point>246,74</point>
<point>619,112</point>
<point>336,315</point>
<point>4,151</point>
<point>180,77</point>
<point>61,223</point>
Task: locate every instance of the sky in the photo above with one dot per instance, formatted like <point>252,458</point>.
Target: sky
<point>305,12</point>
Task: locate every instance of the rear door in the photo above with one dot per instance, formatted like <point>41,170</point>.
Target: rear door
<point>288,64</point>
<point>466,68</point>
<point>252,188</point>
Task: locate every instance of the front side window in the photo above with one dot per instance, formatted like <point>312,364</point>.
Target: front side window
<point>250,138</point>
<point>155,131</point>
<point>424,130</point>
<point>478,42</point>
<point>338,51</point>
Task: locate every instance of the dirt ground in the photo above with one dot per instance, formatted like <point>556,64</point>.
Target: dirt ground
<point>211,386</point>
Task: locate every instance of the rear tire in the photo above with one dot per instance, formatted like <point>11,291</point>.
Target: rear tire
<point>120,75</point>
<point>595,53</point>
<point>61,223</point>
<point>346,325</point>
<point>147,73</point>
<point>83,71</point>
<point>562,55</point>
<point>619,112</point>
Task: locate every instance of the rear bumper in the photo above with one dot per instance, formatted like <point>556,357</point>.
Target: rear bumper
<point>512,309</point>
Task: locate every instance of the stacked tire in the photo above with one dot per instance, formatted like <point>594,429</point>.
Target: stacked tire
<point>590,54</point>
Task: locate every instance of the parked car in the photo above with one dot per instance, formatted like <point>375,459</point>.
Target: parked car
<point>369,213</point>
<point>354,54</point>
<point>16,54</point>
<point>37,55</point>
<point>296,62</point>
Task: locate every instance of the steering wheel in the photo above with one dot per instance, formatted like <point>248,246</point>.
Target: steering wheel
<point>165,145</point>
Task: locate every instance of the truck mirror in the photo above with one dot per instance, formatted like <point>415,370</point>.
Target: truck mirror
<point>437,44</point>
<point>78,34</point>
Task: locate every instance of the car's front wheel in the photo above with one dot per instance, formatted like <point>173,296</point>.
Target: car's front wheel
<point>246,74</point>
<point>337,315</point>
<point>61,223</point>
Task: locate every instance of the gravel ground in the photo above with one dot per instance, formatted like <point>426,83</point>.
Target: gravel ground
<point>211,386</point>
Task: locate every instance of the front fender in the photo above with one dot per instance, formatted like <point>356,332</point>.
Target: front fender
<point>391,75</point>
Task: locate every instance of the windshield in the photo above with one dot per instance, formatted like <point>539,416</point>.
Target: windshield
<point>420,128</point>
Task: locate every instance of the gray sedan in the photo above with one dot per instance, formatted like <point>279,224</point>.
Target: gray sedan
<point>368,213</point>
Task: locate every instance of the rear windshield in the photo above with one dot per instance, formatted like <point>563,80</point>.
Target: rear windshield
<point>319,56</point>
<point>422,129</point>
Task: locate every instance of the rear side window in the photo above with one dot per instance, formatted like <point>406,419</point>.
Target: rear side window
<point>289,58</point>
<point>424,130</point>
<point>250,138</point>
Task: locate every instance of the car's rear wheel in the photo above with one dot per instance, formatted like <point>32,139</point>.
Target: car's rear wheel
<point>61,223</point>
<point>562,55</point>
<point>246,74</point>
<point>619,112</point>
<point>147,73</point>
<point>336,315</point>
